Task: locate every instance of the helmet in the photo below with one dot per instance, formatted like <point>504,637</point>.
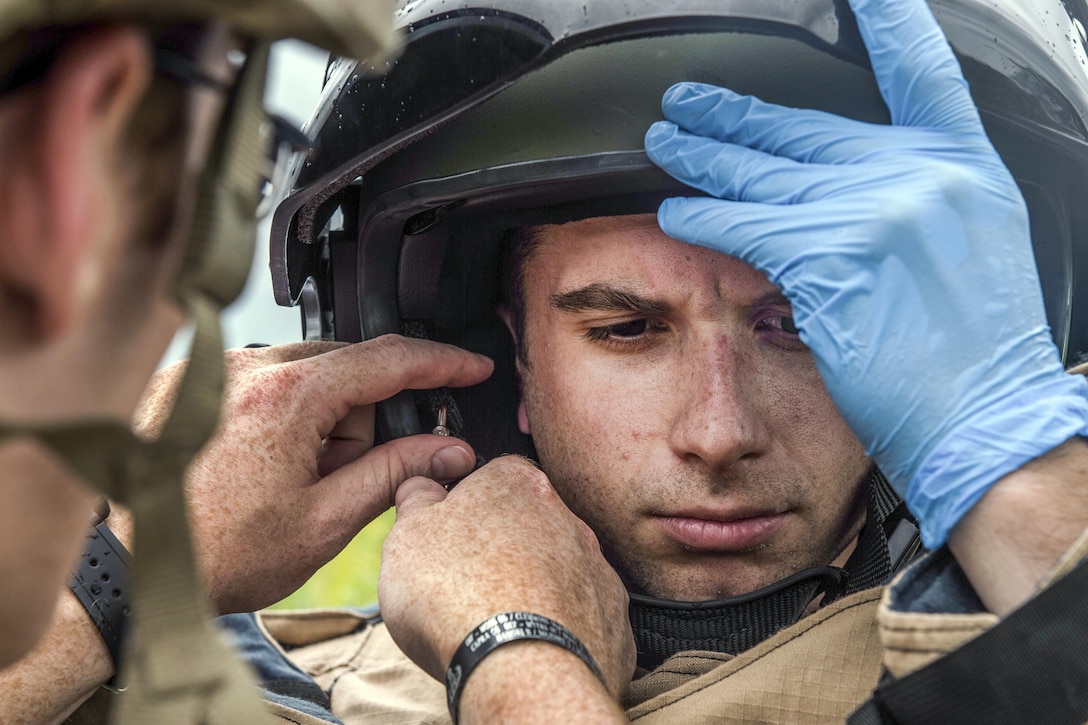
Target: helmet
<point>533,111</point>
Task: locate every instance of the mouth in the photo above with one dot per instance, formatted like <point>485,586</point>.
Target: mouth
<point>721,533</point>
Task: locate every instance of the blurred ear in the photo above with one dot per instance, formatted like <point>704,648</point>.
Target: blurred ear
<point>62,197</point>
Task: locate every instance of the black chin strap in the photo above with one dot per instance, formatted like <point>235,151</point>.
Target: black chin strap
<point>888,540</point>
<point>663,627</point>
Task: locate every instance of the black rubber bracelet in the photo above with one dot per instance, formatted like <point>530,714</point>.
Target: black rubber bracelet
<point>101,583</point>
<point>503,629</point>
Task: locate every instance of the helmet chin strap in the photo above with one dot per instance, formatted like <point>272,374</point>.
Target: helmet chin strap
<point>176,668</point>
<point>663,627</point>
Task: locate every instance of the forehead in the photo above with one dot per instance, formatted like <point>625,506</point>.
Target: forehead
<point>632,253</point>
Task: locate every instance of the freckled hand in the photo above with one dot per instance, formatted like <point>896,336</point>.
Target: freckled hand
<point>906,253</point>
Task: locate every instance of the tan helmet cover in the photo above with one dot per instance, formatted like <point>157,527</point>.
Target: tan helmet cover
<point>355,28</point>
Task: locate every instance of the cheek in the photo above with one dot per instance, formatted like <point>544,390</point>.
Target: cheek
<point>588,433</point>
<point>808,421</point>
<point>604,400</point>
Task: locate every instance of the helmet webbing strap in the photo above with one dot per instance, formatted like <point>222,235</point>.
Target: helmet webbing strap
<point>176,666</point>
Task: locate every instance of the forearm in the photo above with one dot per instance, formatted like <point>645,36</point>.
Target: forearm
<point>1012,537</point>
<point>43,520</point>
<point>536,682</point>
<point>68,665</point>
<point>70,662</point>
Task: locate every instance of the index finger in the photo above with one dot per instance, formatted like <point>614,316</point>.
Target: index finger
<point>372,371</point>
<point>919,77</point>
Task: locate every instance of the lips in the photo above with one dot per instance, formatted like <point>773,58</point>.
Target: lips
<point>721,533</point>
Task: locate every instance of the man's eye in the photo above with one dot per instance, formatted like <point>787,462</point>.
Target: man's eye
<point>634,328</point>
<point>783,323</point>
<point>621,331</point>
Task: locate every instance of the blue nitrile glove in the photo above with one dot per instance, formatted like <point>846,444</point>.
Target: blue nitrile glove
<point>905,251</point>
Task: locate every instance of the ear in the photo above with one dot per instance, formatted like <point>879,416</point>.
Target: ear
<point>523,417</point>
<point>64,203</point>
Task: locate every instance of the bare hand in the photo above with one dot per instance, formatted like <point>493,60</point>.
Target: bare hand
<point>502,540</point>
<point>292,473</point>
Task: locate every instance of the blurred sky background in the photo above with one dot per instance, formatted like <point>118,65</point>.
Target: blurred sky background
<point>294,85</point>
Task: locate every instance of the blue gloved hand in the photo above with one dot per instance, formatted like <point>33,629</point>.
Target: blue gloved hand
<point>905,251</point>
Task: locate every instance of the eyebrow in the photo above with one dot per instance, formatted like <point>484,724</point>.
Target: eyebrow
<point>773,299</point>
<point>599,298</point>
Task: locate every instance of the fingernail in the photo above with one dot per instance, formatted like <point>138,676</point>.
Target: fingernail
<point>451,462</point>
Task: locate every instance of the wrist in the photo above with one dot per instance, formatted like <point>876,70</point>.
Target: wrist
<point>101,584</point>
<point>82,637</point>
<point>531,681</point>
<point>501,631</point>
<point>68,665</point>
<point>1009,542</point>
<point>996,442</point>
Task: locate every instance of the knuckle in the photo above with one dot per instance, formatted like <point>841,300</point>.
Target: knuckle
<point>937,185</point>
<point>269,388</point>
<point>516,476</point>
<point>165,381</point>
<point>952,180</point>
<point>301,350</point>
<point>525,469</point>
<point>395,351</point>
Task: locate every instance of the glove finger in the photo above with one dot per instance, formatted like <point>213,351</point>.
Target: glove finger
<point>800,134</point>
<point>728,227</point>
<point>736,173</point>
<point>774,239</point>
<point>917,73</point>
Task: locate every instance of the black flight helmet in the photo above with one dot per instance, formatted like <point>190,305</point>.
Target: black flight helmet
<point>520,112</point>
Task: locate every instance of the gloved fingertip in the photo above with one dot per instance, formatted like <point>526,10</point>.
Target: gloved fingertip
<point>686,93</point>
<point>658,134</point>
<point>665,213</point>
<point>675,94</point>
<point>680,92</point>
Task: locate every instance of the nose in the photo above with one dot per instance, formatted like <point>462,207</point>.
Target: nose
<point>720,418</point>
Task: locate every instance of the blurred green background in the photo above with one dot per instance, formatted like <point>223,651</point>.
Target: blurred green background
<point>349,580</point>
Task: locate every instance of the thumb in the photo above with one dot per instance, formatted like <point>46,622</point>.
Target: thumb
<point>370,482</point>
<point>417,494</point>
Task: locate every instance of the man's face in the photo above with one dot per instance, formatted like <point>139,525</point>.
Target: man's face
<point>677,412</point>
